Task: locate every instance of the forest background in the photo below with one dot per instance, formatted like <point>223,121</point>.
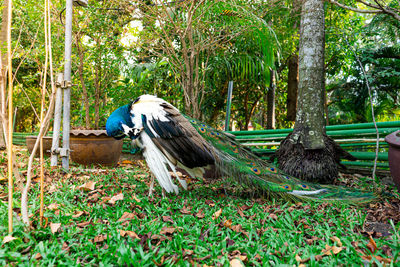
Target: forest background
<point>122,49</point>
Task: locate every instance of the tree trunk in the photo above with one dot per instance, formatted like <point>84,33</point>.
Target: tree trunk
<point>271,102</point>
<point>310,116</point>
<point>81,56</point>
<point>97,84</point>
<point>308,153</point>
<point>293,84</point>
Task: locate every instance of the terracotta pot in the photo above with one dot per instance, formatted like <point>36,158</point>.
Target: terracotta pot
<point>393,140</point>
<point>47,140</point>
<point>94,147</point>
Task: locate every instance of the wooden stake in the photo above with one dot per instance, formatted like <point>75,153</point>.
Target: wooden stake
<point>10,116</point>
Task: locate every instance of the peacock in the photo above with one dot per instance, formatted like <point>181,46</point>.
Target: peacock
<point>170,140</point>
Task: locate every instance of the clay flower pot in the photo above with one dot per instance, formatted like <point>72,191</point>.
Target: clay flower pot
<point>393,140</point>
<point>47,140</point>
<point>94,147</point>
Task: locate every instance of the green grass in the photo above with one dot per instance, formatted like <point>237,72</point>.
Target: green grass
<point>263,239</point>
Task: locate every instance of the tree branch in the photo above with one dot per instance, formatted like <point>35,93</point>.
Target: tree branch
<point>378,8</point>
<point>353,8</point>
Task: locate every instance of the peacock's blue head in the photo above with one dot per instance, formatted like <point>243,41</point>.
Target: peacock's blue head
<point>117,119</point>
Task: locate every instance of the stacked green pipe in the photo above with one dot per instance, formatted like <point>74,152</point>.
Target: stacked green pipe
<point>364,151</point>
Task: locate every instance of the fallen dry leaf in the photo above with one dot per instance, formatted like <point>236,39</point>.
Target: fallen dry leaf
<point>372,245</point>
<point>300,260</point>
<point>229,242</point>
<point>337,240</point>
<point>161,237</point>
<point>8,238</point>
<point>115,198</point>
<point>228,223</point>
<point>127,216</point>
<point>187,252</point>
<point>200,214</point>
<point>65,247</point>
<point>311,240</point>
<point>378,258</point>
<point>82,224</point>
<point>78,214</point>
<point>161,263</point>
<point>217,214</point>
<point>167,230</point>
<point>273,216</point>
<point>38,256</point>
<point>241,212</point>
<point>167,219</point>
<point>210,203</point>
<point>53,206</point>
<point>329,250</point>
<point>105,199</point>
<point>186,210</point>
<point>237,228</point>
<point>88,186</point>
<point>136,199</point>
<point>128,233</point>
<point>236,263</point>
<point>54,227</point>
<point>100,238</point>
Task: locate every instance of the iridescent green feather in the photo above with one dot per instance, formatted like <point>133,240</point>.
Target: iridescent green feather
<point>238,162</point>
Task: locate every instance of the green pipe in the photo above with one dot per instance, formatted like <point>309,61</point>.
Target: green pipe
<point>354,163</point>
<point>270,131</point>
<point>369,125</point>
<point>364,145</point>
<point>28,134</point>
<point>335,134</point>
<point>346,145</point>
<point>365,164</point>
<point>362,132</point>
<point>260,137</point>
<point>263,151</point>
<point>384,124</point>
<point>383,156</point>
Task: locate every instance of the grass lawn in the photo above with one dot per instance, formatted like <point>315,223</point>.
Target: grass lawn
<point>105,218</point>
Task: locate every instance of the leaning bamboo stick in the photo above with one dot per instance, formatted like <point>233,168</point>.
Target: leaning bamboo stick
<point>43,93</point>
<point>42,131</point>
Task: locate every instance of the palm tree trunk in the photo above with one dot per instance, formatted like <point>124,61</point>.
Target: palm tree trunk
<point>309,125</point>
<point>308,153</point>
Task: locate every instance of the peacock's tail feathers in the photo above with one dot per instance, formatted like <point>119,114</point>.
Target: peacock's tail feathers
<point>238,162</point>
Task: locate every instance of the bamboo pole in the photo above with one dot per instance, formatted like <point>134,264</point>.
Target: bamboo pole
<point>10,115</point>
<point>43,94</point>
<point>67,89</point>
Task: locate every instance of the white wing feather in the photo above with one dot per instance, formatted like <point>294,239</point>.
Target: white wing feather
<point>157,163</point>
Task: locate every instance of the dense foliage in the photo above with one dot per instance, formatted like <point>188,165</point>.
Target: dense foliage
<point>117,56</point>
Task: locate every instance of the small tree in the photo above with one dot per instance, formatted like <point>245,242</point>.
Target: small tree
<point>188,34</point>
